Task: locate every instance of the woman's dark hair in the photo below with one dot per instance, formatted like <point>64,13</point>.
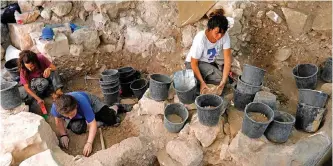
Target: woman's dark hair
<point>65,104</point>
<point>217,19</point>
<point>27,56</point>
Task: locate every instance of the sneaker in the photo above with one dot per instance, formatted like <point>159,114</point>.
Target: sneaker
<point>123,108</point>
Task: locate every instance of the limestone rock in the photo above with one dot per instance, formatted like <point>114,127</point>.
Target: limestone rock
<point>26,6</point>
<point>100,19</point>
<point>55,48</point>
<point>166,45</point>
<point>152,12</point>
<point>165,160</point>
<point>20,108</point>
<point>75,50</point>
<point>6,159</point>
<point>323,19</point>
<point>327,88</point>
<point>29,17</point>
<point>260,14</point>
<point>62,8</point>
<point>55,19</point>
<point>274,17</point>
<point>283,54</point>
<point>35,135</point>
<point>126,21</point>
<point>87,37</point>
<point>237,14</point>
<point>107,48</point>
<point>46,14</point>
<point>225,5</point>
<point>83,15</point>
<point>120,43</point>
<point>150,106</point>
<point>111,33</point>
<point>206,135</point>
<point>188,34</point>
<point>2,53</point>
<point>19,34</point>
<point>187,153</point>
<point>295,20</point>
<point>42,158</point>
<point>89,6</point>
<point>236,28</point>
<point>139,39</point>
<point>235,120</point>
<point>66,29</point>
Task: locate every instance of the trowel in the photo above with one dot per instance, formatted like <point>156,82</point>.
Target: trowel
<point>44,111</point>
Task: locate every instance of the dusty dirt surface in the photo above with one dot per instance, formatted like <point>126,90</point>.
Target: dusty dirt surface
<point>174,118</point>
<point>258,117</point>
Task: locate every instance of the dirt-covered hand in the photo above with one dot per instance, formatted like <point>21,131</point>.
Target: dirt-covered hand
<point>64,140</point>
<point>47,73</point>
<point>87,149</point>
<point>203,86</point>
<point>220,88</point>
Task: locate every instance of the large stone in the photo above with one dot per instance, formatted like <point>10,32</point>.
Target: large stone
<point>187,153</point>
<point>237,14</point>
<point>19,34</point>
<point>6,159</point>
<point>323,19</point>
<point>274,17</point>
<point>75,50</point>
<point>134,151</point>
<point>46,14</point>
<point>100,19</point>
<point>152,12</point>
<point>205,134</point>
<point>87,37</point>
<point>107,48</point>
<point>54,48</point>
<point>188,33</point>
<point>26,6</point>
<point>165,160</point>
<point>166,45</point>
<point>29,17</point>
<point>42,158</point>
<point>150,106</point>
<point>89,6</point>
<point>236,28</point>
<point>296,20</point>
<point>14,111</point>
<point>327,88</point>
<point>235,120</point>
<point>139,39</point>
<point>111,33</point>
<point>62,8</point>
<point>24,135</point>
<point>282,54</point>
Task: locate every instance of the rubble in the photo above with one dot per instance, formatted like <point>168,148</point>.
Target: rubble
<point>236,29</point>
<point>188,33</point>
<point>19,34</point>
<point>166,45</point>
<point>46,14</point>
<point>89,6</point>
<point>75,50</point>
<point>87,37</point>
<point>282,54</point>
<point>165,160</point>
<point>274,17</point>
<point>107,48</point>
<point>139,39</point>
<point>296,20</point>
<point>62,8</point>
<point>55,48</point>
<point>237,14</point>
<point>101,19</point>
<point>323,20</point>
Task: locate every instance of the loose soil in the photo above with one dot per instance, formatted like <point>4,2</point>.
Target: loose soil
<point>174,118</point>
<point>258,117</point>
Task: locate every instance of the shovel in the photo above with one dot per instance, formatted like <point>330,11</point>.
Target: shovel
<point>44,111</point>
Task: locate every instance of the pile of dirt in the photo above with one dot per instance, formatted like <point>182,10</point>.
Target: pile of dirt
<point>258,117</point>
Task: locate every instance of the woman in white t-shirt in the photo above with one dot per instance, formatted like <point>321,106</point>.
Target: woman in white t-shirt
<point>206,46</point>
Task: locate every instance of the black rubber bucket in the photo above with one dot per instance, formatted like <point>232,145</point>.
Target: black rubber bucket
<point>10,95</point>
<point>242,99</point>
<point>253,75</point>
<point>312,97</point>
<point>12,67</point>
<point>108,83</point>
<point>266,98</point>
<point>139,87</point>
<point>125,71</point>
<point>126,90</point>
<point>171,124</point>
<point>306,76</point>
<point>130,77</point>
<point>110,89</point>
<point>209,108</point>
<point>111,98</point>
<point>159,86</point>
<point>247,88</point>
<point>308,118</point>
<point>186,94</point>
<point>110,75</point>
<point>326,75</point>
<point>280,129</point>
<point>252,128</point>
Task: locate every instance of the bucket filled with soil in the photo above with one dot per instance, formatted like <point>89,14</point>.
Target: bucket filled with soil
<point>306,76</point>
<point>281,127</point>
<point>256,119</point>
<point>10,95</point>
<point>326,75</point>
<point>309,118</point>
<point>209,109</point>
<point>175,116</point>
<point>253,75</point>
<point>185,85</point>
<point>159,86</point>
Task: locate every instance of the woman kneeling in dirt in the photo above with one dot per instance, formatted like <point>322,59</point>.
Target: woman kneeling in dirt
<point>77,109</point>
<point>208,44</point>
<point>36,73</point>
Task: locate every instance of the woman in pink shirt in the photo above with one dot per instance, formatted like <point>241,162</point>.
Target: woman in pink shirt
<point>37,73</point>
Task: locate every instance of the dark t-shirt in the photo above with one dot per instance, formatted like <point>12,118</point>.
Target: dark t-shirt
<point>44,63</point>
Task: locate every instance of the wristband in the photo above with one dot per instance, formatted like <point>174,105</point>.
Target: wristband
<point>64,135</point>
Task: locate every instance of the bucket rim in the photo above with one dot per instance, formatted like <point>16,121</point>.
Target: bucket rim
<point>287,114</point>
<point>296,67</point>
<point>146,82</point>
<point>183,107</point>
<point>108,87</point>
<point>11,86</point>
<point>196,101</point>
<point>116,72</point>
<point>316,91</point>
<point>314,107</point>
<point>151,79</point>
<point>255,67</point>
<point>111,93</point>
<point>240,79</point>
<point>246,113</point>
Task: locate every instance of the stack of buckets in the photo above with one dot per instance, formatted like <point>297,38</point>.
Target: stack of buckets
<point>110,86</point>
<point>248,85</point>
<point>127,76</point>
<point>12,67</point>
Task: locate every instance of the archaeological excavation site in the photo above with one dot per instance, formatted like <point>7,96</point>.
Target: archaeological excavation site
<point>166,83</point>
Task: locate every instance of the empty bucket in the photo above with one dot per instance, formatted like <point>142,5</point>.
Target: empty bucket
<point>130,77</point>
<point>253,75</point>
<point>312,97</point>
<point>247,88</point>
<point>108,83</point>
<point>125,71</point>
<point>209,109</point>
<point>12,67</point>
<point>266,98</point>
<point>280,129</point>
<point>10,95</point>
<point>306,76</point>
<point>326,75</point>
<point>111,98</point>
<point>175,116</point>
<point>242,99</point>
<point>110,75</point>
<point>139,87</point>
<point>185,85</point>
<point>159,86</point>
<point>110,89</point>
<point>308,118</point>
<point>126,90</point>
<point>256,119</point>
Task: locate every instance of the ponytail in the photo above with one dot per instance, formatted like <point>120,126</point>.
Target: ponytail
<point>216,12</point>
<point>218,20</point>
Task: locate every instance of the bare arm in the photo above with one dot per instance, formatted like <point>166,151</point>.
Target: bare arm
<point>60,124</point>
<point>52,67</point>
<point>92,131</point>
<point>227,65</point>
<point>195,68</point>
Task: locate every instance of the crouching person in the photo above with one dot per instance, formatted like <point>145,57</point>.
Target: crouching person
<point>79,111</point>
